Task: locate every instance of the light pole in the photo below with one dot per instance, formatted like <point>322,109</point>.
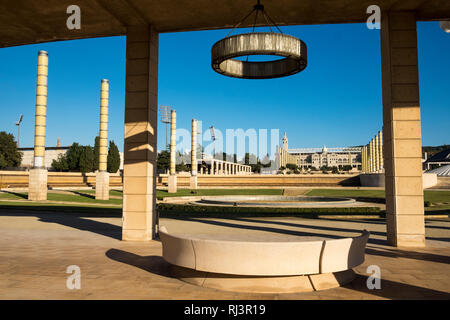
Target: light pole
<point>165,118</point>
<point>18,130</point>
<point>213,136</point>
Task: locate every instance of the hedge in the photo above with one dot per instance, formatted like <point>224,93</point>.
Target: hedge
<point>167,210</point>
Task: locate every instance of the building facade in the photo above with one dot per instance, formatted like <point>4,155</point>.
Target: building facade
<point>317,158</point>
<point>51,153</point>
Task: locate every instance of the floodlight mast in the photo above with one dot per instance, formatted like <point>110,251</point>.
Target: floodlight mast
<point>18,130</point>
<point>213,136</point>
<point>165,118</point>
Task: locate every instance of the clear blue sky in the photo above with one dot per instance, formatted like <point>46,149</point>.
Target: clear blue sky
<point>335,101</point>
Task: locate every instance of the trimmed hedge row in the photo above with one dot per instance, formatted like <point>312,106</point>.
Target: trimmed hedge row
<point>167,210</point>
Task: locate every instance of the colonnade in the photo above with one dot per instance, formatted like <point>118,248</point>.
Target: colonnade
<point>372,155</point>
<point>220,167</point>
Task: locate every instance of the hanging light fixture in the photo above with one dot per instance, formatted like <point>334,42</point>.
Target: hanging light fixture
<point>225,52</point>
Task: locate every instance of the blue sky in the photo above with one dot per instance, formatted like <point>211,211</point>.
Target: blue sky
<point>335,101</point>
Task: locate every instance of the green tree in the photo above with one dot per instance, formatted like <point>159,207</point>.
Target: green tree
<point>61,163</point>
<point>10,156</point>
<point>113,158</point>
<point>73,156</point>
<point>291,166</point>
<point>182,167</point>
<point>163,161</point>
<point>346,167</point>
<point>86,159</point>
<point>97,152</point>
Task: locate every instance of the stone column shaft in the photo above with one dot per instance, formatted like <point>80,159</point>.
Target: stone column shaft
<point>172,180</point>
<point>37,183</point>
<point>401,130</point>
<point>102,176</point>
<point>193,178</point>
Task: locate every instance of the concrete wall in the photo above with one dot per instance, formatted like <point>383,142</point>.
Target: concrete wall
<point>377,180</point>
<point>56,179</point>
<point>60,179</point>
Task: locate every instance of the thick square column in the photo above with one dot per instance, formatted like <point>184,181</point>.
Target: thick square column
<point>401,130</point>
<point>139,187</point>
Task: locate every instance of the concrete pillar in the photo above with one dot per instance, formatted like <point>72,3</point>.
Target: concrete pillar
<point>193,178</point>
<point>401,130</point>
<point>172,179</point>
<point>201,170</point>
<point>37,183</point>
<point>102,176</point>
<point>141,105</point>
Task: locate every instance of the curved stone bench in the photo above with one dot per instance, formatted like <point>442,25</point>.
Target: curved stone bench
<point>330,258</point>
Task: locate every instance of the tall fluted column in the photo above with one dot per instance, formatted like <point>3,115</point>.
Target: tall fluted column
<point>102,176</point>
<point>37,185</point>
<point>380,140</point>
<point>193,178</point>
<point>371,160</point>
<point>377,153</point>
<point>363,166</point>
<point>173,140</point>
<point>367,158</point>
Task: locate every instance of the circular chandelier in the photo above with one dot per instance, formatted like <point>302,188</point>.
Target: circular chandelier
<point>291,49</point>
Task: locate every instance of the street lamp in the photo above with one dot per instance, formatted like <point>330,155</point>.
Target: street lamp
<point>213,136</point>
<point>18,130</point>
<point>164,111</point>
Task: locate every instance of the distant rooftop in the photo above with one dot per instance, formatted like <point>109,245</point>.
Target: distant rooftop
<point>443,171</point>
<point>443,156</point>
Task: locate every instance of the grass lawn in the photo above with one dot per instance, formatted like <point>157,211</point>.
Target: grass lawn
<point>438,200</point>
<point>52,196</point>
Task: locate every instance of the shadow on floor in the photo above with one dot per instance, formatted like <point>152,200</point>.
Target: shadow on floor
<point>153,264</point>
<point>261,228</point>
<point>396,253</point>
<point>389,289</point>
<point>305,226</point>
<point>73,217</point>
<point>396,290</point>
<point>102,228</point>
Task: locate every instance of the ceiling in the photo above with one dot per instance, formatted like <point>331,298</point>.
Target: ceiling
<point>29,21</point>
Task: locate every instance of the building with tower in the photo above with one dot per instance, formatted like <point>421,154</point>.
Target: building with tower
<point>317,158</point>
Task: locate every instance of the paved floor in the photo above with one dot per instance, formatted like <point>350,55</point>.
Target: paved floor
<point>36,249</point>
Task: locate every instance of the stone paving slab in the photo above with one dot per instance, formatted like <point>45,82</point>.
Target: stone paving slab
<point>36,248</point>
